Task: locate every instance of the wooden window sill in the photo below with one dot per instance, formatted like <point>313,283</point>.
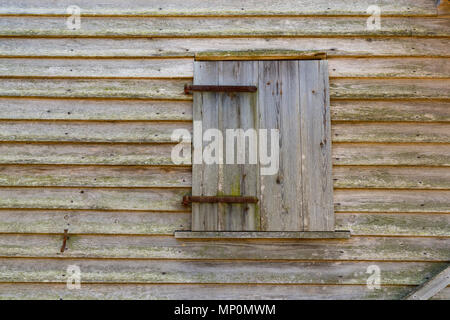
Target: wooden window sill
<point>262,235</point>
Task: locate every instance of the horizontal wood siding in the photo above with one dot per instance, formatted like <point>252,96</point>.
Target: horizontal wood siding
<point>86,118</point>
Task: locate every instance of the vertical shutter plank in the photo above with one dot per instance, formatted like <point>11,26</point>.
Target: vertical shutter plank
<point>281,194</point>
<point>316,146</point>
<point>237,111</point>
<point>205,177</point>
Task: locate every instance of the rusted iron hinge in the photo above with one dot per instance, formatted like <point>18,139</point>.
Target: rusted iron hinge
<point>188,89</point>
<point>63,247</point>
<point>218,199</point>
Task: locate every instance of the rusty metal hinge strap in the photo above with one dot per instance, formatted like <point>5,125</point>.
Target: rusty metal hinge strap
<point>219,199</point>
<point>191,88</point>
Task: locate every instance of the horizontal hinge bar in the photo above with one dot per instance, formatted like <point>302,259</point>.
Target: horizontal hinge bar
<point>219,199</point>
<point>190,88</point>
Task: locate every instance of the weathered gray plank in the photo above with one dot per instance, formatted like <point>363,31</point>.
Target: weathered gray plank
<point>220,27</point>
<point>94,176</point>
<point>389,89</point>
<point>317,185</point>
<point>394,224</point>
<point>154,247</point>
<point>173,89</point>
<point>183,68</point>
<point>391,154</point>
<point>93,199</point>
<point>94,88</point>
<point>392,201</point>
<point>220,8</point>
<point>226,272</point>
<point>97,68</point>
<point>411,111</point>
<point>387,68</point>
<point>166,223</point>
<point>117,154</point>
<point>161,132</point>
<point>94,48</point>
<point>394,154</point>
<point>93,222</point>
<point>195,292</point>
<point>391,177</point>
<point>204,176</point>
<point>237,111</point>
<point>73,131</point>
<point>388,132</point>
<point>432,286</point>
<point>90,109</point>
<point>281,193</point>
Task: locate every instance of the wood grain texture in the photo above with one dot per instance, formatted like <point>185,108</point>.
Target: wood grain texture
<point>205,177</point>
<point>174,89</point>
<point>67,153</point>
<point>95,176</point>
<point>85,109</point>
<point>161,132</point>
<point>279,100</point>
<point>334,47</point>
<point>391,154</point>
<point>80,88</point>
<point>154,247</point>
<point>183,68</point>
<point>387,68</point>
<point>389,132</point>
<point>166,223</point>
<point>220,8</point>
<point>97,68</point>
<point>195,292</point>
<point>395,154</point>
<point>117,132</point>
<point>237,177</point>
<point>220,27</point>
<point>178,176</point>
<point>392,201</point>
<point>214,272</point>
<point>315,127</point>
<point>93,199</point>
<point>391,177</point>
<point>90,109</point>
<point>401,111</point>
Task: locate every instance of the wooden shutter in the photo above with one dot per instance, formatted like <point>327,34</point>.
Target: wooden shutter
<point>292,97</point>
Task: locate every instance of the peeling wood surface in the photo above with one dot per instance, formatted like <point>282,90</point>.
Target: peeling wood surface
<point>221,8</point>
<point>394,154</point>
<point>195,292</point>
<point>213,272</point>
<point>154,110</point>
<point>174,89</point>
<point>154,47</point>
<point>220,27</point>
<point>156,199</point>
<point>401,111</point>
<point>154,247</point>
<point>166,223</point>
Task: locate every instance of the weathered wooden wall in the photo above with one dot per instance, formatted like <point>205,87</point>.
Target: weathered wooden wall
<point>85,123</point>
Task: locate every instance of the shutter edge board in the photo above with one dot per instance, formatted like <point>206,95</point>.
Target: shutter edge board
<point>262,235</point>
